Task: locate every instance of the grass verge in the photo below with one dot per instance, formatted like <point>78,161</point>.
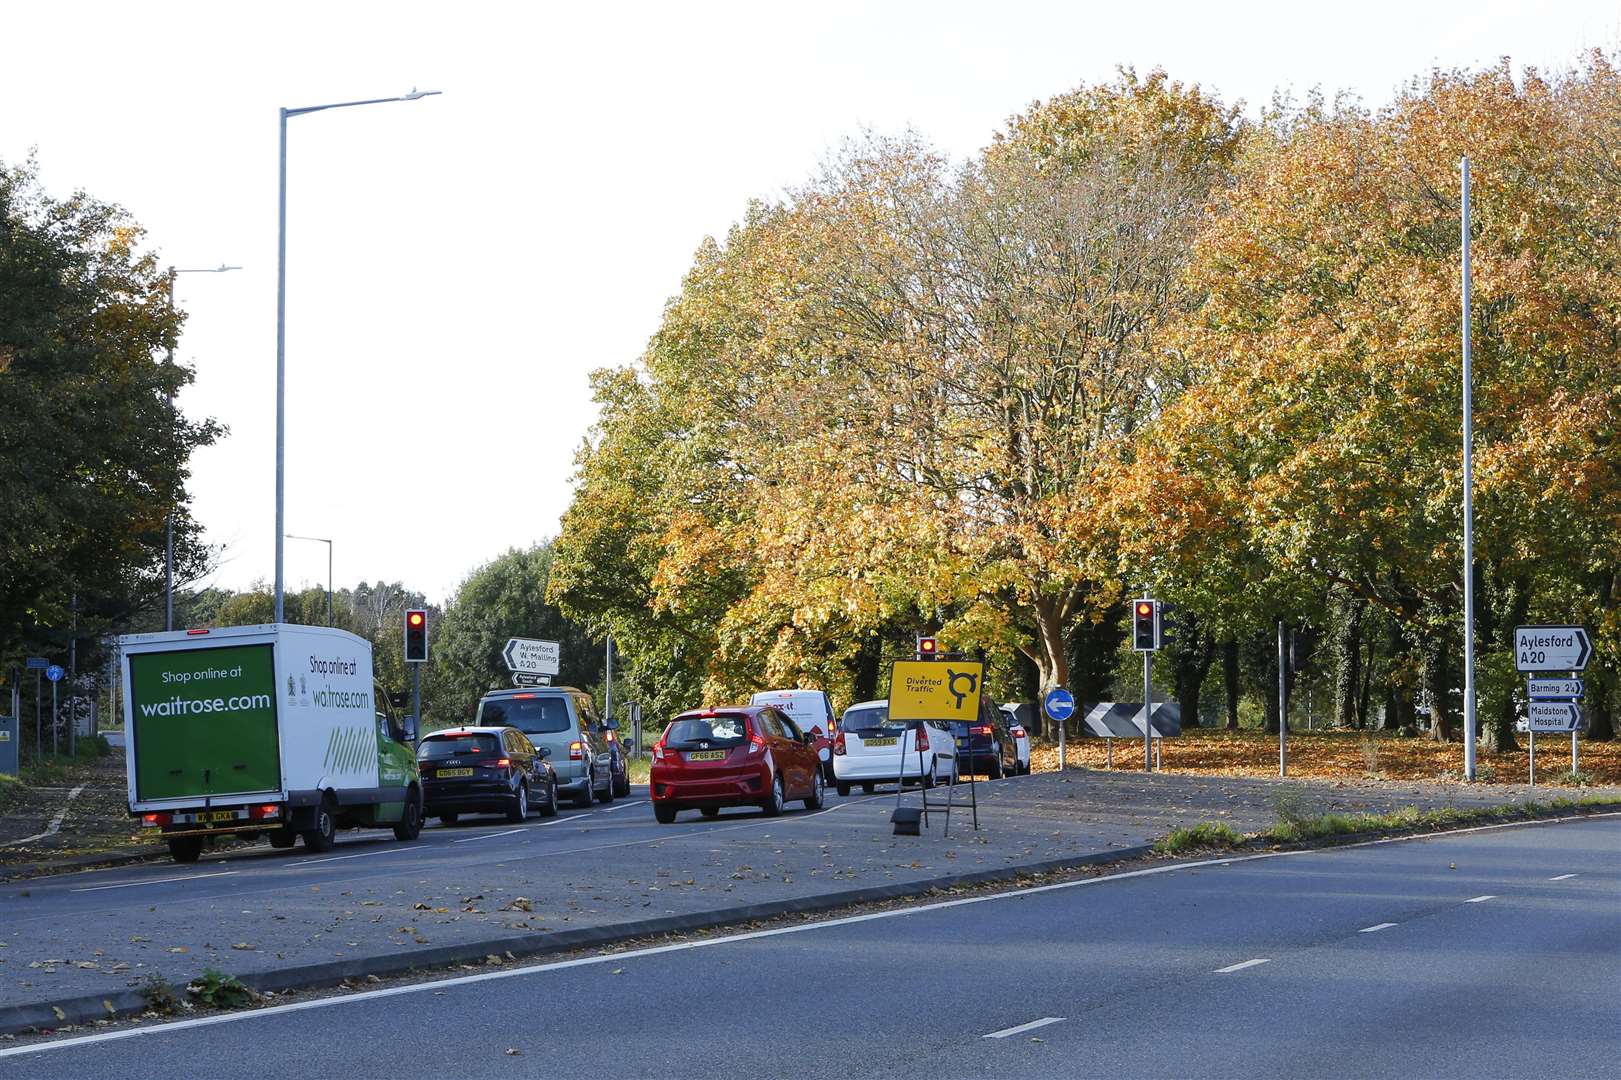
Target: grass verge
<point>1205,836</point>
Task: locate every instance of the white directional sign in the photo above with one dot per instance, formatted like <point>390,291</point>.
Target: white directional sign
<point>522,679</point>
<point>528,654</point>
<point>1554,688</point>
<point>1551,648</point>
<point>1559,716</point>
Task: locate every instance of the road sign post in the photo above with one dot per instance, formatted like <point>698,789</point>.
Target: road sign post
<point>1059,705</point>
<point>54,673</point>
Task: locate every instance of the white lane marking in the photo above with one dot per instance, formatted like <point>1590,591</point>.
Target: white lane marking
<point>621,806</point>
<point>1022,1028</point>
<point>56,822</point>
<point>1480,899</point>
<point>436,985</point>
<point>357,855</point>
<point>485,836</point>
<point>1241,967</point>
<point>151,881</point>
<point>1376,927</point>
<point>1562,877</point>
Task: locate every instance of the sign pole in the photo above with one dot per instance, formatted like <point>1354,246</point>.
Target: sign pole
<point>1533,756</point>
<point>416,701</point>
<point>1063,747</point>
<point>1283,708</point>
<point>1468,509</point>
<point>608,683</point>
<point>56,738</point>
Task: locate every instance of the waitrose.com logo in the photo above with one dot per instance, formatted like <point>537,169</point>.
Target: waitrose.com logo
<point>179,706</point>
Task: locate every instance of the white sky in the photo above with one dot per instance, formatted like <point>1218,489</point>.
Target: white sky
<point>457,265</point>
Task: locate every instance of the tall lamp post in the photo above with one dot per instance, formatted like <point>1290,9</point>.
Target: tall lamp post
<point>328,543</point>
<point>168,540</point>
<point>281,318</point>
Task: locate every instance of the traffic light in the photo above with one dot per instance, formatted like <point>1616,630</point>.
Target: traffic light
<point>927,647</point>
<point>1145,625</point>
<point>416,636</point>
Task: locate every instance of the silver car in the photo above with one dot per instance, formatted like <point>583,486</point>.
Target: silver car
<point>564,720</point>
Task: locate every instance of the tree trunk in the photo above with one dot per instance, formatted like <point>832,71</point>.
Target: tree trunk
<point>1093,648</point>
<point>1229,671</point>
<point>1600,703</point>
<point>1347,658</point>
<point>868,665</point>
<point>1516,596</point>
<point>1189,671</point>
<point>1435,690</point>
<point>1052,652</point>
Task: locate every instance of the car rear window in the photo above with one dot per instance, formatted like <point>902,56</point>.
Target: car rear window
<point>444,746</point>
<point>530,715</point>
<point>718,731</point>
<point>869,721</point>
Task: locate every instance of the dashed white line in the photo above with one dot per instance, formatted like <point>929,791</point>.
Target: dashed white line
<point>1480,899</point>
<point>1376,927</point>
<point>486,836</point>
<point>151,881</point>
<point>1241,967</point>
<point>1022,1028</point>
<point>1562,877</point>
<point>357,855</point>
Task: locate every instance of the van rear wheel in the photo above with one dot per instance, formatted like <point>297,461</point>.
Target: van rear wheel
<point>282,839</point>
<point>186,849</point>
<point>325,834</point>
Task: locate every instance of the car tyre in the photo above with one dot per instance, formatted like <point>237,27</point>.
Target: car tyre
<point>866,789</point>
<point>586,796</point>
<point>622,785</point>
<point>519,810</point>
<point>663,813</point>
<point>607,795</point>
<point>550,807</point>
<point>996,765</point>
<point>186,849</point>
<point>324,837</point>
<point>818,793</point>
<point>709,811</point>
<point>410,824</point>
<point>843,787</point>
<point>448,819</point>
<point>932,777</point>
<point>774,801</point>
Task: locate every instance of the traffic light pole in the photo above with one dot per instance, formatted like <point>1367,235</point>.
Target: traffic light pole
<point>1148,712</point>
<point>416,703</point>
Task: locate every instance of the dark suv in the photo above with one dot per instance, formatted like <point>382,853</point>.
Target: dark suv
<point>563,720</point>
<point>987,745</point>
<point>484,770</point>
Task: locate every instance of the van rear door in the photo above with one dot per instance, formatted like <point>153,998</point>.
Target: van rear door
<point>204,722</point>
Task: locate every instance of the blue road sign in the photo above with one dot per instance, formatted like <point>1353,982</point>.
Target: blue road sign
<point>1059,703</point>
<point>38,663</point>
<point>55,673</point>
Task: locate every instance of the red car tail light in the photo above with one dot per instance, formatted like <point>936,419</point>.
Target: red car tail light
<point>981,729</point>
<point>816,730</point>
<point>922,739</point>
<point>756,744</point>
<point>659,751</point>
<point>838,743</point>
<point>1018,733</point>
<point>576,751</point>
<point>502,763</point>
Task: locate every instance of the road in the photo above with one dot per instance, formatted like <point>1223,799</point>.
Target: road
<point>484,881</point>
<point>1492,953</point>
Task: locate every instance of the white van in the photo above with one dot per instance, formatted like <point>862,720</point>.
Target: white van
<point>812,711</point>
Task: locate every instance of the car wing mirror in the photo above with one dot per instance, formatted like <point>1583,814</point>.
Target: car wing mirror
<point>543,751</point>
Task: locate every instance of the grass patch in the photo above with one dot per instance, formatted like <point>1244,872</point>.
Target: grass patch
<point>1295,828</point>
<point>1206,835</point>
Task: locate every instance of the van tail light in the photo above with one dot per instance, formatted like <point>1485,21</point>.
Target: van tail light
<point>269,810</point>
<point>1018,733</point>
<point>157,819</point>
<point>922,739</point>
<point>576,751</point>
<point>981,729</point>
<point>838,743</point>
<point>756,744</point>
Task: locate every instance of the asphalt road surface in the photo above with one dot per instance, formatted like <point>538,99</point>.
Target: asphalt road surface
<point>1492,953</point>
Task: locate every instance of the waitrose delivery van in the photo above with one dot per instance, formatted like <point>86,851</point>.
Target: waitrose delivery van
<point>274,729</point>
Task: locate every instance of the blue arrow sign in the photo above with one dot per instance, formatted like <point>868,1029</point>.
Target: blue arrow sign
<point>55,673</point>
<point>1059,703</point>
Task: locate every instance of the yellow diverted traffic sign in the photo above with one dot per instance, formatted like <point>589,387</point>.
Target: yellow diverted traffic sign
<point>941,690</point>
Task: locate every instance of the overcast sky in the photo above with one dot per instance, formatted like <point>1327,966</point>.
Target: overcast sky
<point>458,265</point>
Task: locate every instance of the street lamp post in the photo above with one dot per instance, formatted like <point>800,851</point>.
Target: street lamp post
<point>281,317</point>
<point>328,543</point>
<point>168,540</point>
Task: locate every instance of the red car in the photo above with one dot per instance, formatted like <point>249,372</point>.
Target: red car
<point>749,755</point>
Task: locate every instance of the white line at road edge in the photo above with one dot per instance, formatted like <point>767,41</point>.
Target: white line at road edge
<point>56,822</point>
<point>1376,927</point>
<point>152,881</point>
<point>705,943</point>
<point>357,855</point>
<point>1022,1028</point>
<point>487,836</point>
<point>1562,877</point>
<point>1479,899</point>
<point>1241,967</point>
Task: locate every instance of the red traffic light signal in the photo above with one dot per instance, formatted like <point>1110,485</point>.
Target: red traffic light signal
<point>1145,630</point>
<point>416,636</point>
<point>927,648</point>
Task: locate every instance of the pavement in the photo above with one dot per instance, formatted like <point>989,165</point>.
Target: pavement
<point>86,942</point>
<point>1485,954</point>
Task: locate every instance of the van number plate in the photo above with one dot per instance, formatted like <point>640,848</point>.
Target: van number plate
<point>707,755</point>
<point>218,815</point>
<point>878,742</point>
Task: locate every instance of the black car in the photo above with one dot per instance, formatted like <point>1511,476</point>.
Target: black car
<point>986,745</point>
<point>485,770</point>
